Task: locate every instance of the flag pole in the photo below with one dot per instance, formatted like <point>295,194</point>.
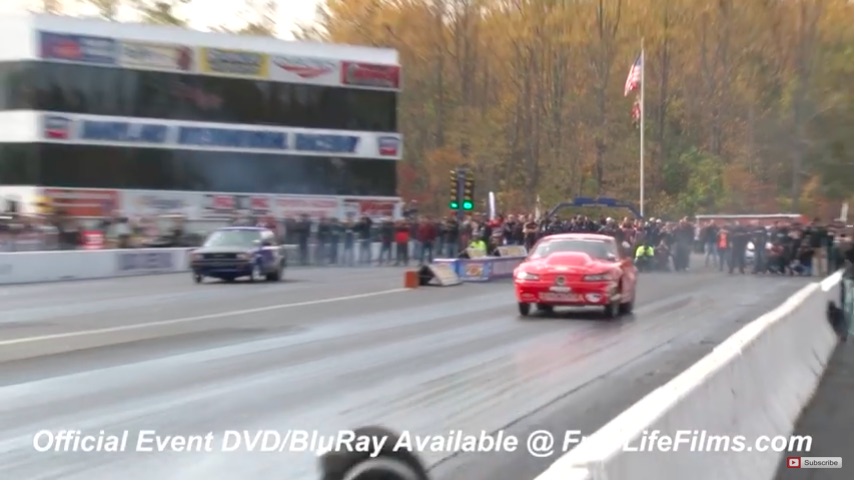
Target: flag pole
<point>642,130</point>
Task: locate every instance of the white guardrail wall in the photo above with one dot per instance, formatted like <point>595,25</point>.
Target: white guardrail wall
<point>61,265</point>
<point>68,265</point>
<point>754,384</point>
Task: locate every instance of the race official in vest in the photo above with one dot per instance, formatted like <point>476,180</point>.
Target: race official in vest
<point>644,256</point>
<point>476,244</point>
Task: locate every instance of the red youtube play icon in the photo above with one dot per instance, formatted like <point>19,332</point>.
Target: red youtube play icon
<point>794,462</point>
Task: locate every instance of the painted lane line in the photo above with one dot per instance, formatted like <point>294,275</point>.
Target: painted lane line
<point>167,322</point>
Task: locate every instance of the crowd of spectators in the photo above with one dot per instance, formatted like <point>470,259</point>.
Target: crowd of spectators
<point>782,248</point>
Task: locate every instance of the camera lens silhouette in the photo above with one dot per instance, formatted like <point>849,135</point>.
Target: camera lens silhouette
<point>400,464</point>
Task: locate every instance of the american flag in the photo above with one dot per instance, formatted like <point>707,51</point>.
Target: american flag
<point>634,77</point>
<point>636,112</point>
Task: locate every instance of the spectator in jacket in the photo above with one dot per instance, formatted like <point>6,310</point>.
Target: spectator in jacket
<point>348,237</point>
<point>387,233</point>
<point>709,239</point>
<point>803,260</point>
<point>363,233</point>
<point>402,242</point>
<point>450,237</point>
<point>427,233</point>
<point>302,231</point>
<point>683,239</point>
<point>723,244</point>
<point>738,238</point>
<point>817,240</point>
<point>530,232</point>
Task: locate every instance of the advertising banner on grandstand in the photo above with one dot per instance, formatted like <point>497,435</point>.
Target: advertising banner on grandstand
<point>305,70</point>
<point>374,209</point>
<point>103,130</point>
<point>170,134</point>
<point>351,209</point>
<point>255,204</point>
<point>388,146</point>
<point>78,48</point>
<point>237,63</point>
<point>56,127</point>
<point>314,207</point>
<point>326,143</point>
<point>164,57</point>
<point>254,139</point>
<point>141,133</point>
<point>219,206</point>
<point>227,206</point>
<point>158,203</point>
<point>377,76</point>
<point>83,202</point>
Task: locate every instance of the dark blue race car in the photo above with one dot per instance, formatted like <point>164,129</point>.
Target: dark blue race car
<point>234,252</point>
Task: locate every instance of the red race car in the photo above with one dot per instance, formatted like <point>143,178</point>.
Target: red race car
<point>576,270</point>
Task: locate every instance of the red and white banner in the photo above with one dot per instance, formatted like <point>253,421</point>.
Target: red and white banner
<point>92,239</point>
<point>218,206</point>
<point>371,75</point>
<point>158,203</point>
<point>314,207</point>
<point>213,206</point>
<point>305,70</point>
<point>259,204</point>
<point>83,203</point>
<point>373,209</point>
<point>224,205</point>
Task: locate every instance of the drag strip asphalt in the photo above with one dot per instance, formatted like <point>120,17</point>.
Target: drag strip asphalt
<point>332,349</point>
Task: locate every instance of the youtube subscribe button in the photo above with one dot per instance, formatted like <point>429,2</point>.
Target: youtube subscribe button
<point>814,462</point>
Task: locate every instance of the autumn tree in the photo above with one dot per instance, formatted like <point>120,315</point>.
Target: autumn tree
<point>162,12</point>
<point>107,9</point>
<point>749,104</point>
<point>54,7</point>
<point>261,17</point>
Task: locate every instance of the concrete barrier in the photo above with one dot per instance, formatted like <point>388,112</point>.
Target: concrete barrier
<point>749,389</point>
<point>65,265</point>
<point>32,267</point>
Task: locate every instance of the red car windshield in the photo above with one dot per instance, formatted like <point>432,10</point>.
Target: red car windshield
<point>599,249</point>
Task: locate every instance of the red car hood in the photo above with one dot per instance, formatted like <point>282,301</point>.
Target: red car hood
<point>567,263</point>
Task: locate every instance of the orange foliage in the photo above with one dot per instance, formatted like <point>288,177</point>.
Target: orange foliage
<point>441,160</point>
<point>410,186</point>
<point>530,92</point>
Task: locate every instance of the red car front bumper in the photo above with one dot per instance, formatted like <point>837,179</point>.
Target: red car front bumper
<point>578,294</point>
